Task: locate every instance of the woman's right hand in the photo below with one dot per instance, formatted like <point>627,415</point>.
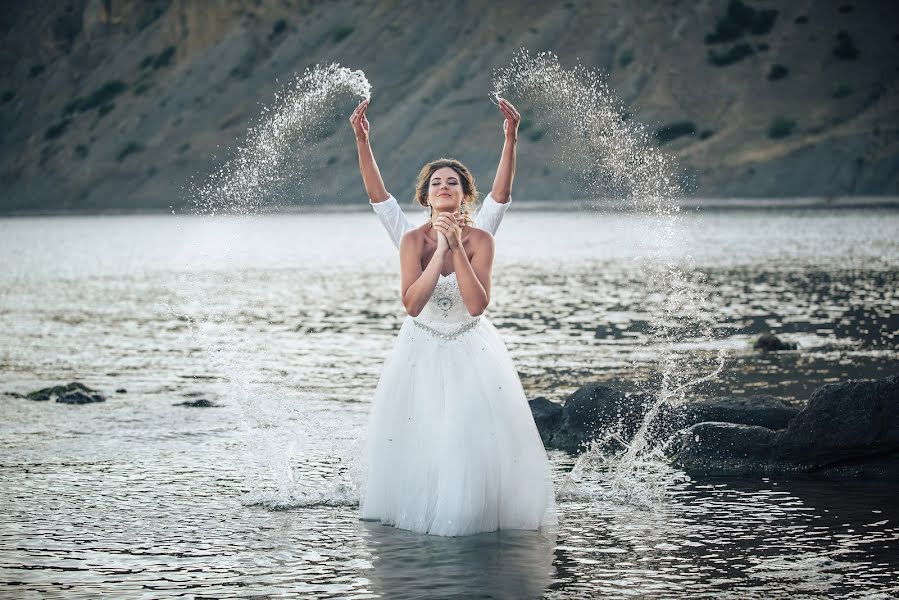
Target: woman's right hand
<point>360,122</point>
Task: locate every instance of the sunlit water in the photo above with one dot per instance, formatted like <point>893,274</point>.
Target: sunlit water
<point>137,497</point>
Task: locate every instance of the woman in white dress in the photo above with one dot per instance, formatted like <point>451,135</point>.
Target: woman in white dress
<point>452,446</point>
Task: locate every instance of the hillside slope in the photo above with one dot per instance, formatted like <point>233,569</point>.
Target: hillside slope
<point>119,104</point>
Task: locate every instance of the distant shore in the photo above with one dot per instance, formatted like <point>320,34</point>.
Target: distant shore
<point>685,204</point>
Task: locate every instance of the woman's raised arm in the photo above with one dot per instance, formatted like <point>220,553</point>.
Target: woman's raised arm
<point>505,172</point>
<point>371,176</point>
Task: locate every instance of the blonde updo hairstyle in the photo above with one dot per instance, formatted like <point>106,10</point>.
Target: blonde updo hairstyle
<point>469,190</point>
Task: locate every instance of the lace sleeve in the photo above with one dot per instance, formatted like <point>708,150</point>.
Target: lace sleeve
<point>491,214</point>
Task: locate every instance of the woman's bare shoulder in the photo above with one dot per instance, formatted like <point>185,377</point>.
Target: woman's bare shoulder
<point>414,236</point>
<point>479,236</point>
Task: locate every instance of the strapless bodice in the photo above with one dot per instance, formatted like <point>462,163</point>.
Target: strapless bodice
<point>445,314</point>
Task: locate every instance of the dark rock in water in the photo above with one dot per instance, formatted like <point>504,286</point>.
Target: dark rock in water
<point>79,397</point>
<point>761,410</point>
<point>200,403</point>
<point>14,394</point>
<point>594,412</point>
<point>547,416</point>
<point>724,448</point>
<point>771,343</point>
<point>845,421</point>
<point>72,393</point>
<point>121,391</point>
<point>848,429</point>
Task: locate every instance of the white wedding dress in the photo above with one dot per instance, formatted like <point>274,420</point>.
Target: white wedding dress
<point>452,446</point>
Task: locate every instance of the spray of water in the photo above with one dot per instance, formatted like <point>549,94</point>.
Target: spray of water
<point>612,158</point>
<point>265,165</point>
<point>277,430</point>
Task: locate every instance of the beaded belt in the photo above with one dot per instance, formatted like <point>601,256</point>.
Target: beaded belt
<point>448,336</point>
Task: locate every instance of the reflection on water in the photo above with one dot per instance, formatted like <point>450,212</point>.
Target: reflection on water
<point>503,564</point>
<point>137,497</point>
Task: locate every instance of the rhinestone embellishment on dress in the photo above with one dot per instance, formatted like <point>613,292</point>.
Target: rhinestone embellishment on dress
<point>451,335</point>
<point>443,297</point>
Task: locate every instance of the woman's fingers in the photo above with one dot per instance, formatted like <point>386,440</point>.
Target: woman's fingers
<point>510,106</point>
<point>359,112</point>
<point>445,228</point>
<point>447,222</point>
<point>509,111</point>
<point>511,114</point>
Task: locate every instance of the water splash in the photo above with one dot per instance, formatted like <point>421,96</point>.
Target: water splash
<point>608,154</point>
<point>265,168</point>
<point>611,158</point>
<point>277,426</point>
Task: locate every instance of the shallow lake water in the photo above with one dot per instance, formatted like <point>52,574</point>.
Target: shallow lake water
<point>284,320</point>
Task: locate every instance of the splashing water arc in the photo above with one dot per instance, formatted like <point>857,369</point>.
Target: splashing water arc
<point>604,150</point>
<point>301,112</point>
<point>274,422</point>
<point>592,135</point>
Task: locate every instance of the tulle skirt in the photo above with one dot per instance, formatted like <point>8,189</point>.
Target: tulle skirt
<point>452,447</point>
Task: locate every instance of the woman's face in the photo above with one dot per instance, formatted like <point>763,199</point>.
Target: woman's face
<point>445,191</point>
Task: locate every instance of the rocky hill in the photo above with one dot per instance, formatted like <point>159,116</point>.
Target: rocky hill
<point>119,104</point>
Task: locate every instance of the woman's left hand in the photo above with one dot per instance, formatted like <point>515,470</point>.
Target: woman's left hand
<point>510,125</point>
<point>447,224</point>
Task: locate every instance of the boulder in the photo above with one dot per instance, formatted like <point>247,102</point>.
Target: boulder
<point>843,422</point>
<point>847,430</point>
<point>595,412</point>
<point>724,449</point>
<point>771,343</point>
<point>547,416</point>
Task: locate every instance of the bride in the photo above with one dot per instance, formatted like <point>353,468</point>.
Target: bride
<point>452,446</point>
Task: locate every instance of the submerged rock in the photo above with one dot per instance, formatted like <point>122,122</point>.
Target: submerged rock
<point>848,429</point>
<point>771,343</point>
<point>199,403</point>
<point>72,393</point>
<point>79,397</point>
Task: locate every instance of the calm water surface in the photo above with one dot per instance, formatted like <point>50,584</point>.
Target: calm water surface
<point>292,317</point>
